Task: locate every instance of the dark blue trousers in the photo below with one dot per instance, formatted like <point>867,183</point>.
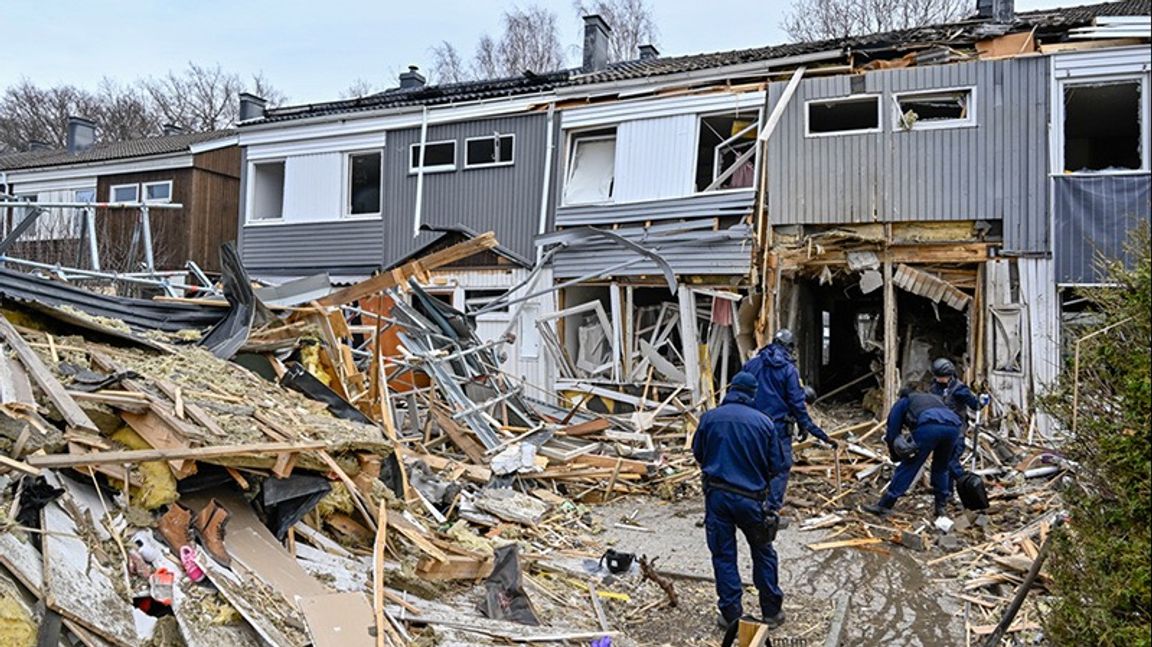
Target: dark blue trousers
<point>778,485</point>
<point>955,469</point>
<point>724,512</point>
<point>937,441</point>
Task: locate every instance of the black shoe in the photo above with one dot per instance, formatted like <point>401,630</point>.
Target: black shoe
<point>776,620</point>
<point>724,623</point>
<point>876,509</point>
<point>941,510</point>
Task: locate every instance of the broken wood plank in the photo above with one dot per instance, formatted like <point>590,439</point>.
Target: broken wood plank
<point>847,543</point>
<point>153,429</point>
<point>338,619</point>
<point>144,455</point>
<point>395,277</point>
<point>458,567</point>
<point>73,415</point>
<point>19,466</point>
<point>587,428</point>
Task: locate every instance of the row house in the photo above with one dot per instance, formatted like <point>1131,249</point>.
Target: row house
<point>891,198</point>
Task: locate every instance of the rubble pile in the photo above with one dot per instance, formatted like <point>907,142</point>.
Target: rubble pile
<point>318,474</point>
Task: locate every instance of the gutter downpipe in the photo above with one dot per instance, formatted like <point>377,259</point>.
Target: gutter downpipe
<point>417,217</point>
<point>549,147</point>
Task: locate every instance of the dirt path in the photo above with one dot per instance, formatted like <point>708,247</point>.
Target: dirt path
<point>893,600</point>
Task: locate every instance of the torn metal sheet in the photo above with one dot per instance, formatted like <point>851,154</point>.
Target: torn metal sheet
<point>296,291</point>
<point>230,333</point>
<point>930,287</point>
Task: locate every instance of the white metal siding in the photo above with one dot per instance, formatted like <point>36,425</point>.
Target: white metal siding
<point>655,158</point>
<point>621,111</point>
<point>312,187</point>
<point>1101,62</point>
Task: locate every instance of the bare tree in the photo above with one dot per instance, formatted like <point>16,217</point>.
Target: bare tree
<point>530,41</point>
<point>826,19</point>
<point>123,112</point>
<point>361,87</point>
<point>29,113</point>
<point>632,23</point>
<point>203,98</point>
<point>447,65</point>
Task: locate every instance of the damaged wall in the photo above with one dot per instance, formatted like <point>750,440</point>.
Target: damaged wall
<point>993,170</point>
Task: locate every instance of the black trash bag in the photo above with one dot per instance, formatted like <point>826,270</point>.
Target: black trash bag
<point>504,596</point>
<point>286,501</point>
<point>36,494</point>
<point>973,495</point>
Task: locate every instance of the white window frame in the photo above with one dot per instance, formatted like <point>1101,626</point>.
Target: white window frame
<point>842,133</point>
<point>510,162</point>
<point>250,193</point>
<point>575,138</point>
<point>76,194</point>
<point>970,121</point>
<point>144,192</point>
<point>1058,116</point>
<point>442,168</point>
<point>756,124</point>
<point>346,198</point>
<point>112,192</point>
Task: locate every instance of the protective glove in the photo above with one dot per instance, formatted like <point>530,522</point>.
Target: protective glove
<point>984,400</point>
<point>831,442</point>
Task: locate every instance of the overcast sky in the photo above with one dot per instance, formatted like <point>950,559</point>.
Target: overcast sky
<point>312,49</point>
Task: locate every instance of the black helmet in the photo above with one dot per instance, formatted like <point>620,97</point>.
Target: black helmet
<point>809,394</point>
<point>785,338</point>
<point>943,367</point>
<point>904,448</point>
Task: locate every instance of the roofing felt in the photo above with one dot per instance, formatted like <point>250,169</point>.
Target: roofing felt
<point>145,147</point>
<point>1048,21</point>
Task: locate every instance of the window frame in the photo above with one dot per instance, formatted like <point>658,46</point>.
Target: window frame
<point>144,192</point>
<point>510,162</point>
<point>574,138</point>
<point>970,121</point>
<point>879,97</point>
<point>346,197</point>
<point>112,192</point>
<point>250,193</point>
<point>757,123</point>
<point>1059,115</point>
<point>442,168</point>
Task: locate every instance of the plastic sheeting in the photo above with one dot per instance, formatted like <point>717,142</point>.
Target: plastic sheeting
<point>1093,217</point>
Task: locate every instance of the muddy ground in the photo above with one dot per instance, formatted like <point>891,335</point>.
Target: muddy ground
<point>894,599</point>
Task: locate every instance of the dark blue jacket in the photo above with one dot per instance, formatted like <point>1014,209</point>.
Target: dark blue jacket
<point>779,394</point>
<point>737,444</point>
<point>957,396</point>
<point>935,415</point>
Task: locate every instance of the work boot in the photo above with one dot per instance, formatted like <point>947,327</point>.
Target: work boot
<point>878,509</point>
<point>776,620</point>
<point>940,510</point>
<point>174,527</point>
<point>210,528</point>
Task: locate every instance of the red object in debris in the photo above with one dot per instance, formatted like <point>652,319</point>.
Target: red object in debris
<point>162,582</point>
<point>188,559</point>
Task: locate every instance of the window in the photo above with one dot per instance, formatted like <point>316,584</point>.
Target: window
<point>488,151</point>
<point>438,156</point>
<point>844,116</point>
<point>1007,336</point>
<point>364,184</point>
<point>591,168</point>
<point>124,193</point>
<point>1102,126</point>
<point>476,299</point>
<point>158,192</point>
<point>267,191</point>
<point>726,152</point>
<point>84,195</point>
<point>936,109</point>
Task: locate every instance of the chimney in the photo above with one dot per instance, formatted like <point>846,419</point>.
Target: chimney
<point>81,134</point>
<point>998,11</point>
<point>649,51</point>
<point>595,43</point>
<point>411,79</point>
<point>251,106</point>
<point>37,145</point>
<point>173,129</point>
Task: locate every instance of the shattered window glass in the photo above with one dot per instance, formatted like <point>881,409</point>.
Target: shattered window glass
<point>1102,127</point>
<point>856,114</point>
<point>950,108</point>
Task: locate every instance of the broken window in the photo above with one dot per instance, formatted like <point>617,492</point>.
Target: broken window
<point>726,152</point>
<point>938,109</point>
<point>267,191</point>
<point>158,192</point>
<point>1102,126</point>
<point>364,183</point>
<point>488,151</point>
<point>438,156</point>
<point>477,299</point>
<point>124,193</point>
<point>591,168</point>
<point>1007,339</point>
<point>851,115</point>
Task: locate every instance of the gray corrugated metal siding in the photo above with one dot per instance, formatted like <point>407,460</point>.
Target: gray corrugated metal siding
<point>351,246</point>
<point>703,205</point>
<point>993,171</point>
<point>727,252</point>
<point>1093,218</point>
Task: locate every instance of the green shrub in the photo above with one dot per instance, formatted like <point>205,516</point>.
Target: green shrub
<point>1100,558</point>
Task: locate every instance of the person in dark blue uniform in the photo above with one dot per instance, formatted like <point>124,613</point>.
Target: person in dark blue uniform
<point>959,398</point>
<point>739,453</point>
<point>935,429</point>
<point>780,397</point>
